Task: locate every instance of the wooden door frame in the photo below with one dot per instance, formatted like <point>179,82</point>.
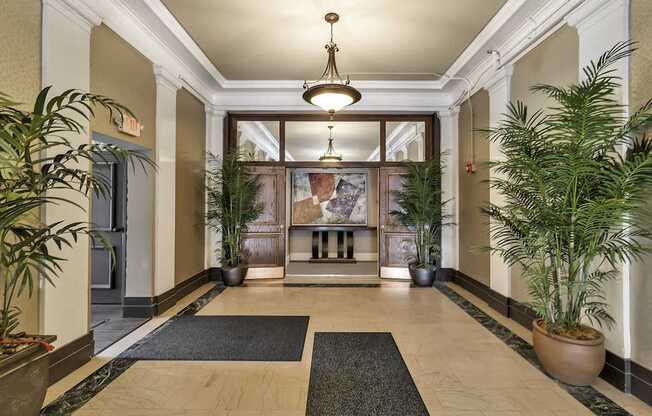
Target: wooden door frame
<point>431,120</point>
<point>432,147</point>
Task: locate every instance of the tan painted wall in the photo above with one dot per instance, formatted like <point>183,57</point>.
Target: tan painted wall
<point>190,163</point>
<point>473,189</point>
<point>555,61</point>
<point>119,71</point>
<point>122,73</point>
<point>20,77</point>
<point>640,92</point>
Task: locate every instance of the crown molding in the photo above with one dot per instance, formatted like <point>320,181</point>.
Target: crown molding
<point>151,29</point>
<point>500,78</point>
<point>137,25</point>
<point>591,12</point>
<point>479,44</point>
<point>297,85</point>
<point>168,19</point>
<point>166,78</point>
<point>536,22</point>
<point>77,11</point>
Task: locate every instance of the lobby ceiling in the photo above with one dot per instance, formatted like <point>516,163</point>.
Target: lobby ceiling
<point>378,40</point>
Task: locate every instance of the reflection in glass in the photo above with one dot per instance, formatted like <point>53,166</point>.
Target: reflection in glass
<point>354,141</point>
<point>259,140</point>
<point>405,141</point>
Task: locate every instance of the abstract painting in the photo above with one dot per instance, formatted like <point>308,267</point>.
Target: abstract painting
<point>324,198</point>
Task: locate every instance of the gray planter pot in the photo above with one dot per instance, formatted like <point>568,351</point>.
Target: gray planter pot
<point>233,276</point>
<point>422,277</point>
<point>24,379</point>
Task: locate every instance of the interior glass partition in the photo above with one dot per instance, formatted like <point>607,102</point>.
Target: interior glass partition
<point>352,141</point>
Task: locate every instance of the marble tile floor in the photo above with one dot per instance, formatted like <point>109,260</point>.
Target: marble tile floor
<point>109,325</point>
<point>459,367</point>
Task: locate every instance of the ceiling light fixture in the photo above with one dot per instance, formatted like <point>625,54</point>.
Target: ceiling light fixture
<point>331,92</point>
<point>330,155</point>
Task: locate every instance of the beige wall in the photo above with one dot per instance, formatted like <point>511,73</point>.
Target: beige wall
<point>640,92</point>
<point>190,164</point>
<point>122,73</point>
<point>20,78</point>
<point>555,61</point>
<point>473,188</point>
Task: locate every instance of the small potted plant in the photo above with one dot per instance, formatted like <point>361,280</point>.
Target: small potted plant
<point>232,205</point>
<point>573,211</point>
<point>40,167</point>
<point>421,209</point>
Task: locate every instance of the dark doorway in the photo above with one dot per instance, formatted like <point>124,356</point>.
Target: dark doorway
<point>110,217</point>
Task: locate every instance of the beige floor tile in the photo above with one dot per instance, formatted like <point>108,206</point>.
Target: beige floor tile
<point>459,367</point>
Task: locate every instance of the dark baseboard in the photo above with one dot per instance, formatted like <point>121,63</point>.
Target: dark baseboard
<point>522,314</point>
<point>641,382</point>
<point>445,274</point>
<point>616,371</point>
<point>67,358</point>
<point>494,299</point>
<point>624,374</point>
<point>138,307</point>
<point>145,307</point>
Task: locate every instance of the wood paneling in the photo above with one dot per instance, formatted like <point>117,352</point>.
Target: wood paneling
<point>264,249</point>
<point>396,240</point>
<point>264,243</point>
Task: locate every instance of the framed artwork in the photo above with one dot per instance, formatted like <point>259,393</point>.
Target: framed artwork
<point>329,198</point>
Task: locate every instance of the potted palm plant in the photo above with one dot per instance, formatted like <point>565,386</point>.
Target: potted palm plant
<point>421,209</point>
<point>232,204</point>
<point>40,167</point>
<point>573,210</point>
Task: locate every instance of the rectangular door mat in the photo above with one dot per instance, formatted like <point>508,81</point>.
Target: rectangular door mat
<point>225,338</point>
<point>360,373</point>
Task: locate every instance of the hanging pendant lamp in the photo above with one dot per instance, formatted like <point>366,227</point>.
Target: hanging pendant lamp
<point>331,92</point>
<point>330,155</point>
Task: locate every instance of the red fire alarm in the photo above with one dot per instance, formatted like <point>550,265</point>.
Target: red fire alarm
<point>470,167</point>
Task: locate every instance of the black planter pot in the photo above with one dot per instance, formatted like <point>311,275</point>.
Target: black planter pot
<point>233,276</point>
<point>24,380</point>
<point>421,276</point>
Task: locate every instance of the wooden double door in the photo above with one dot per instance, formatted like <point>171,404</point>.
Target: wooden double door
<point>265,240</point>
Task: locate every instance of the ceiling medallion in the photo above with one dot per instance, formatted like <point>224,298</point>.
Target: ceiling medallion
<point>330,155</point>
<point>331,92</point>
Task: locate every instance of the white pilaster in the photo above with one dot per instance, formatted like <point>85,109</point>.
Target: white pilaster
<point>600,25</point>
<point>64,308</point>
<point>167,85</point>
<point>214,145</point>
<point>499,89</point>
<point>450,186</point>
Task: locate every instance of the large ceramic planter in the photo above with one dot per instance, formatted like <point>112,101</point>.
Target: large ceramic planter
<point>234,276</point>
<point>24,381</point>
<point>573,361</point>
<point>421,276</point>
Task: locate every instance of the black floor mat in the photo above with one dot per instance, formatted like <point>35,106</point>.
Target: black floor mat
<point>360,373</point>
<point>226,338</point>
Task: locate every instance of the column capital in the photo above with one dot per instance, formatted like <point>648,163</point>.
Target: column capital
<point>592,12</point>
<point>501,78</point>
<point>212,110</point>
<point>77,11</point>
<point>166,78</point>
<point>451,112</point>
